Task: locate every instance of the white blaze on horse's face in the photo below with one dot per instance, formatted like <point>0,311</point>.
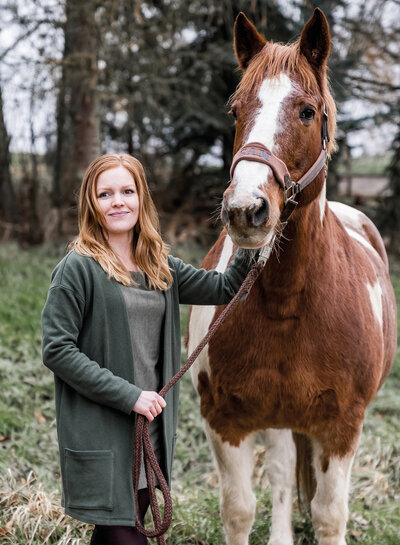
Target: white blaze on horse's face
<point>271,95</point>
<point>248,192</point>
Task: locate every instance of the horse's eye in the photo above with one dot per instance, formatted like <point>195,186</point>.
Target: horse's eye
<point>233,112</point>
<point>307,114</point>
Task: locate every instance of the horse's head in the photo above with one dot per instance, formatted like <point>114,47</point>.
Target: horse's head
<point>280,103</point>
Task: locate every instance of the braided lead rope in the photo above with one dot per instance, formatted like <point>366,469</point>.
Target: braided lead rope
<point>142,433</point>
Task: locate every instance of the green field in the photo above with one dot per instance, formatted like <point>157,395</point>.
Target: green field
<point>30,511</point>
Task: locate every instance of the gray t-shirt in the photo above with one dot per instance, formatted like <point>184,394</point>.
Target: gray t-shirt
<point>146,309</point>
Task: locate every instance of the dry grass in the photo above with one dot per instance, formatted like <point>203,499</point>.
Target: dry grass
<point>35,515</point>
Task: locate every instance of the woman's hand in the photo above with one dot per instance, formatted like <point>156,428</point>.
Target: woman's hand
<point>149,404</point>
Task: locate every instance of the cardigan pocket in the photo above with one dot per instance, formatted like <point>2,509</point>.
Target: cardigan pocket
<point>89,477</point>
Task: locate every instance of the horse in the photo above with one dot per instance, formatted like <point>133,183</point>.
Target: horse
<point>298,361</point>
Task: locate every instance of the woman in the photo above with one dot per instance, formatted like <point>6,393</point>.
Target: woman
<point>111,335</point>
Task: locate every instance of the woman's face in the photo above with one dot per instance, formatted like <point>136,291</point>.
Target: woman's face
<point>118,200</point>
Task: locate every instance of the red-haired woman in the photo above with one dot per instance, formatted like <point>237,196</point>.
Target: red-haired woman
<point>111,335</point>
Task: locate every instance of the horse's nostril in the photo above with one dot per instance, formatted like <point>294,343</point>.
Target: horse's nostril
<point>260,212</point>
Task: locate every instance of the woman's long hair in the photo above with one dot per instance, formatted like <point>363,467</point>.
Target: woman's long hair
<point>148,249</point>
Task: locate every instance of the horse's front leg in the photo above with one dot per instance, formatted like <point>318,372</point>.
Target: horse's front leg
<point>329,506</point>
<point>280,461</point>
<point>238,502</point>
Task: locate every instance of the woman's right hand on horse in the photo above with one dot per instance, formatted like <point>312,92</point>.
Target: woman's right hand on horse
<point>149,404</point>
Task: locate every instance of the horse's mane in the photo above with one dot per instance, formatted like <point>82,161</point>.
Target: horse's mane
<point>275,58</point>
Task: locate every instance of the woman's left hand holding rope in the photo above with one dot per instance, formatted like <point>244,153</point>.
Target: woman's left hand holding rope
<point>149,404</point>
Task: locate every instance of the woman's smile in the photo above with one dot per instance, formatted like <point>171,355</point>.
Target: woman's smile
<point>118,214</point>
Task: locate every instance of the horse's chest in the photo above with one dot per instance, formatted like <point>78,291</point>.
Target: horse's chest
<point>279,366</point>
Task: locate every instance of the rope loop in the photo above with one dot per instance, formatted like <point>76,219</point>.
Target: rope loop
<point>142,430</point>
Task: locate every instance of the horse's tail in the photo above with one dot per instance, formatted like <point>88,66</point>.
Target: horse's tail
<point>305,477</point>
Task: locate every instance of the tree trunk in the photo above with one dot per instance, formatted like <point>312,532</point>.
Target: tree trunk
<point>78,126</point>
<point>8,208</point>
<point>392,207</point>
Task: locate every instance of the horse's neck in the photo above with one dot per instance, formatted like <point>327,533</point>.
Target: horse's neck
<point>303,242</point>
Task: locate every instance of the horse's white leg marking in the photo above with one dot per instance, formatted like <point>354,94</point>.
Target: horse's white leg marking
<point>238,502</point>
<point>375,295</point>
<point>322,203</point>
<point>249,175</point>
<point>201,316</point>
<point>280,461</point>
<point>329,506</point>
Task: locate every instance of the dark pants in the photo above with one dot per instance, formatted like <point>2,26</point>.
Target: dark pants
<point>123,535</point>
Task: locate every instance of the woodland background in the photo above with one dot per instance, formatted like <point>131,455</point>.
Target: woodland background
<point>152,78</point>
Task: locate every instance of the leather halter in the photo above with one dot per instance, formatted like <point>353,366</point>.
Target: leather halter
<point>255,151</point>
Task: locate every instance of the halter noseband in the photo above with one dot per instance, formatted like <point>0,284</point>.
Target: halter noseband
<point>255,151</point>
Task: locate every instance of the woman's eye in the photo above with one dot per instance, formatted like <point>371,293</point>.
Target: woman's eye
<point>307,114</point>
<point>102,195</point>
<point>129,191</point>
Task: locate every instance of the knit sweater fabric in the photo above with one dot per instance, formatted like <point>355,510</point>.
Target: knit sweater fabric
<point>146,310</point>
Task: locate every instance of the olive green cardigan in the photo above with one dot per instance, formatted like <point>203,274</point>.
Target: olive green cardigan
<point>86,343</point>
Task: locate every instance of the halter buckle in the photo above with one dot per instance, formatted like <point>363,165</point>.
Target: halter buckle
<point>291,190</point>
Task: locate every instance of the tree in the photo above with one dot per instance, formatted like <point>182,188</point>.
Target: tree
<point>78,136</point>
<point>27,65</point>
<point>389,214</point>
<point>8,206</point>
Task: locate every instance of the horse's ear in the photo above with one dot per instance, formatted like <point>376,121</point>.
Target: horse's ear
<point>315,41</point>
<point>247,41</point>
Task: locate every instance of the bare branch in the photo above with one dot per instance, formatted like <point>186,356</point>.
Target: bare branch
<point>375,83</point>
<point>26,34</point>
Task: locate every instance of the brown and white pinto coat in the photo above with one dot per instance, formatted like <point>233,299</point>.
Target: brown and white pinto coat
<point>308,349</point>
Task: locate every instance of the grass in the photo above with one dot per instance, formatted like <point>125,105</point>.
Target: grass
<point>30,511</point>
